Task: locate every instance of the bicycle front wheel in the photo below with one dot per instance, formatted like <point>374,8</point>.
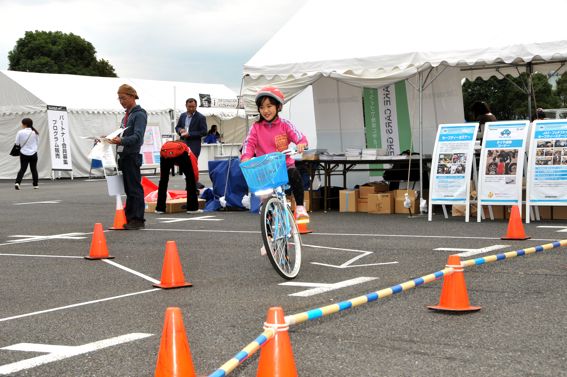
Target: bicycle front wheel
<point>281,238</point>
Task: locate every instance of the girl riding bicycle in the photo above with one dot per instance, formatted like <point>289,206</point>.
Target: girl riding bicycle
<point>273,134</point>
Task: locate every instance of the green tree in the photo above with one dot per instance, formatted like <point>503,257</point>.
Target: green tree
<point>561,90</point>
<point>57,52</point>
<point>507,97</point>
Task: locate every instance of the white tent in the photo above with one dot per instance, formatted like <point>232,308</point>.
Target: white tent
<point>339,47</point>
<point>93,110</point>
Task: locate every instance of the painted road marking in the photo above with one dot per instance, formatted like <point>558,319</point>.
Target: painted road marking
<point>369,235</point>
<point>562,229</point>
<point>471,252</point>
<point>57,353</point>
<point>318,288</point>
<point>167,220</point>
<point>41,256</point>
<point>78,304</point>
<point>44,202</point>
<point>31,238</point>
<point>348,264</point>
<point>131,271</point>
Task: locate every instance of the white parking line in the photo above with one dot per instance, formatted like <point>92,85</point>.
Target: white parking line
<point>471,252</point>
<point>349,263</point>
<point>131,271</point>
<point>62,352</point>
<point>44,202</point>
<point>324,287</point>
<point>78,304</point>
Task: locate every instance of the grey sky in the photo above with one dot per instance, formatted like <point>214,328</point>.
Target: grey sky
<point>178,40</point>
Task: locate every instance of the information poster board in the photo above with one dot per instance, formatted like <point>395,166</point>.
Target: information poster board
<point>501,164</point>
<point>59,138</point>
<point>451,168</point>
<point>547,165</point>
<point>152,145</point>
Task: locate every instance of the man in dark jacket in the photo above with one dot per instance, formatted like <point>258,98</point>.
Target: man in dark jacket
<point>129,157</point>
<point>192,126</point>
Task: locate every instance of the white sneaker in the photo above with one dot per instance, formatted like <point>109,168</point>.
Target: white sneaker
<point>159,212</point>
<point>195,212</point>
<point>17,186</point>
<point>301,215</point>
<point>35,187</point>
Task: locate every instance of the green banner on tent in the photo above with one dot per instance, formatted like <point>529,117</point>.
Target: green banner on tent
<point>387,120</point>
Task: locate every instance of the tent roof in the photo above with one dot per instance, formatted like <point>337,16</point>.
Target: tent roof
<point>390,40</point>
<point>98,94</point>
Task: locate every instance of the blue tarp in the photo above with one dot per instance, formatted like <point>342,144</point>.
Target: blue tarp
<point>229,182</point>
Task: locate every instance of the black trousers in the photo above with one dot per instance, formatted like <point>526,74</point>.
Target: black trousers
<point>130,165</point>
<point>165,166</point>
<point>24,161</point>
<point>296,184</point>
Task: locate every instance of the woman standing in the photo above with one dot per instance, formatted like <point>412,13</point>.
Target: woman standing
<point>27,138</point>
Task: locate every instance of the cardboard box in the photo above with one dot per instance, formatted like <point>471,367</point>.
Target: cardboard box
<point>399,198</point>
<point>381,203</point>
<point>316,205</point>
<point>173,205</point>
<point>559,213</point>
<point>372,188</point>
<point>362,204</point>
<point>347,200</point>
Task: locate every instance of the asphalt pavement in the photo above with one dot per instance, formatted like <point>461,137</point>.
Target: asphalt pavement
<point>63,315</point>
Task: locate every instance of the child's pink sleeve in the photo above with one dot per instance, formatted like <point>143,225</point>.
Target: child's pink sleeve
<point>249,145</point>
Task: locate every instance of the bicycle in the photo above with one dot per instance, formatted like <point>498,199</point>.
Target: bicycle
<point>267,178</point>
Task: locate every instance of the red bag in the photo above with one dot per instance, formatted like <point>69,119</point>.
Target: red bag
<point>172,149</point>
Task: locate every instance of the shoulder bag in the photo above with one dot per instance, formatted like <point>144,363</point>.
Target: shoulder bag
<point>16,148</point>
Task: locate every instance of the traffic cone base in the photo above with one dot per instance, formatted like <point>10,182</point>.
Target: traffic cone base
<point>119,216</point>
<point>454,297</point>
<point>303,229</point>
<point>172,272</point>
<point>515,227</point>
<point>98,244</point>
<point>276,356</point>
<point>174,357</point>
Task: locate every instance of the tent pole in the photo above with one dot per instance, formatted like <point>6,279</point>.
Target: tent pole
<point>420,89</point>
<point>530,71</point>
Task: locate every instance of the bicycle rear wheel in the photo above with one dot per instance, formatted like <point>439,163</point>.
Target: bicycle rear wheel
<point>281,238</point>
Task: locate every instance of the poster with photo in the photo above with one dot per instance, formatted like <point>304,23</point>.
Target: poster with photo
<point>152,145</point>
<point>547,164</point>
<point>501,164</point>
<point>452,165</point>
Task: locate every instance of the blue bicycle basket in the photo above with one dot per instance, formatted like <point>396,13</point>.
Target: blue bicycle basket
<point>265,172</point>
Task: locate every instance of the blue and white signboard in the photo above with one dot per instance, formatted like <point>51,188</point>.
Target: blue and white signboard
<point>451,168</point>
<point>501,164</point>
<point>547,165</point>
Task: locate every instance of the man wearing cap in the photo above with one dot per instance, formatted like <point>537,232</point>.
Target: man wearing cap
<point>129,157</point>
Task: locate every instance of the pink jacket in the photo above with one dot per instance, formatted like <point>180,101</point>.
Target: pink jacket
<point>265,137</point>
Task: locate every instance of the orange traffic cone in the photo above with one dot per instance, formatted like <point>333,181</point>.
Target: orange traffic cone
<point>120,216</point>
<point>276,356</point>
<point>98,244</point>
<point>303,229</point>
<point>174,357</point>
<point>148,186</point>
<point>454,297</point>
<point>171,272</point>
<point>515,226</point>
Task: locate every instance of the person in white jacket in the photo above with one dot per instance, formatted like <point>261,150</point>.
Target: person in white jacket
<point>27,138</point>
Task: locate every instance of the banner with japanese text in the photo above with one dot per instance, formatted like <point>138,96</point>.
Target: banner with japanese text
<point>59,138</point>
<point>501,163</point>
<point>547,164</point>
<point>451,168</point>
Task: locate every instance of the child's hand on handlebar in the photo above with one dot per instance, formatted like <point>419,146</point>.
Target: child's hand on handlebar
<point>301,148</point>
